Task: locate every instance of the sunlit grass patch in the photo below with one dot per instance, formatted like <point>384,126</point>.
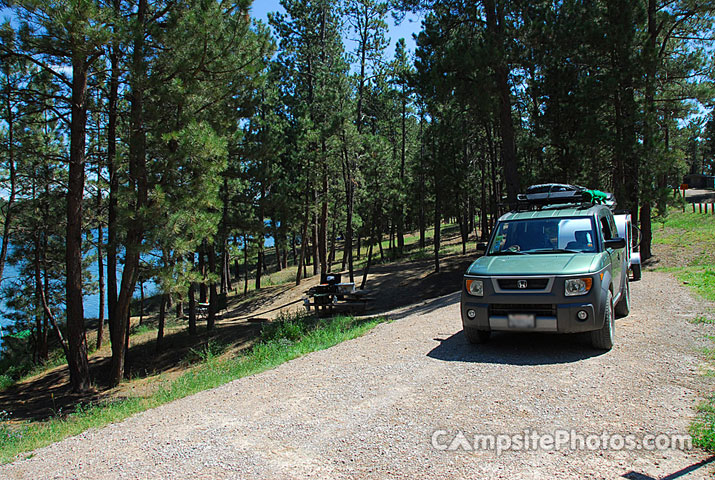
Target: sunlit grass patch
<point>703,427</point>
<point>694,233</point>
<point>703,319</point>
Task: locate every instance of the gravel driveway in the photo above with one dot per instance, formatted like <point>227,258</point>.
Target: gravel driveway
<point>371,407</point>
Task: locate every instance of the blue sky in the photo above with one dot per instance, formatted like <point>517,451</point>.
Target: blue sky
<point>412,24</point>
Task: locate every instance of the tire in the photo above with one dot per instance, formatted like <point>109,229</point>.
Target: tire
<point>636,269</point>
<point>602,339</point>
<point>623,307</point>
<point>476,336</point>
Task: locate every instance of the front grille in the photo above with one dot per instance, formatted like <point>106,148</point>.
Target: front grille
<point>531,283</point>
<point>503,309</point>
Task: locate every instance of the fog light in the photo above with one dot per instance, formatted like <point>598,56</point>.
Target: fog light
<point>471,314</point>
<point>582,315</point>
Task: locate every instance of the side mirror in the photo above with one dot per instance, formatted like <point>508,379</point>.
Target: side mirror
<point>615,243</point>
<point>482,246</point>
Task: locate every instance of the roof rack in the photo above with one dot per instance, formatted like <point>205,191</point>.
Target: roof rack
<point>559,194</point>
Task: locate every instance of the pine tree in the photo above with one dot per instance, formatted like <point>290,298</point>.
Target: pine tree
<point>71,35</point>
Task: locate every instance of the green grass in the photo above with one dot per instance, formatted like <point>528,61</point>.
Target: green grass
<point>279,342</point>
<point>694,233</point>
<point>143,329</point>
<point>703,427</point>
<point>702,319</point>
<point>17,368</point>
<point>702,280</point>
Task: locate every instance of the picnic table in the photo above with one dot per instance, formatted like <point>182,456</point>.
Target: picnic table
<point>202,310</point>
<point>333,295</point>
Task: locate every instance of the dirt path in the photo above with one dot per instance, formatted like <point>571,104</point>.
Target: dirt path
<point>369,408</point>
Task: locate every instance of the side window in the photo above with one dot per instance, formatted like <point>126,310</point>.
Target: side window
<point>605,228</point>
<point>614,228</point>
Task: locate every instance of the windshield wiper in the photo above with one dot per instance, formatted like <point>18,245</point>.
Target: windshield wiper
<point>508,252</point>
<point>554,250</point>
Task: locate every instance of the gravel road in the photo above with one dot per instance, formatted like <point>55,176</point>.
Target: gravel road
<point>370,407</point>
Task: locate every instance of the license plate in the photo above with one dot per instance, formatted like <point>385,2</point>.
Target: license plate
<point>521,320</point>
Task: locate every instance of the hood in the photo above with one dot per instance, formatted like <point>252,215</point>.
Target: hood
<point>538,264</point>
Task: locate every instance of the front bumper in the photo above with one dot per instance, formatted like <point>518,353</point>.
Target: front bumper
<point>553,311</point>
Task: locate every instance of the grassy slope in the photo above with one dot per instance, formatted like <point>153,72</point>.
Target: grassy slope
<point>279,342</point>
<point>691,238</point>
<point>412,252</point>
<point>214,368</point>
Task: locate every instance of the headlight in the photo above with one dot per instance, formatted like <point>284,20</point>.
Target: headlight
<point>578,286</point>
<point>475,287</point>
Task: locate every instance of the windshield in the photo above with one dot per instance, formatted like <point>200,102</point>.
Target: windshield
<point>544,235</point>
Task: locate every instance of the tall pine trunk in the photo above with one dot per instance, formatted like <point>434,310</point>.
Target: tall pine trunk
<point>10,203</point>
<point>137,172</point>
<point>114,321</point>
<point>422,208</point>
<point>649,133</point>
<point>203,292</point>
<point>100,264</point>
<point>40,320</point>
<point>76,338</point>
<point>314,246</point>
<point>192,308</point>
<point>323,220</point>
<point>495,29</point>
<point>213,297</point>
<point>162,321</point>
<point>245,264</point>
<point>437,227</point>
<point>225,274</point>
<point>164,302</point>
<point>303,242</point>
<point>366,272</point>
<point>349,205</point>
<point>401,206</point>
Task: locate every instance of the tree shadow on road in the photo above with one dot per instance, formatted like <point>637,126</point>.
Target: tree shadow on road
<point>508,348</point>
<point>633,475</point>
<point>426,307</point>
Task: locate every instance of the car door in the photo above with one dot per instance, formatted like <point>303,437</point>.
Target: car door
<point>609,231</point>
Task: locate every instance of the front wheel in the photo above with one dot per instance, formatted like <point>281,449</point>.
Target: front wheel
<point>476,336</point>
<point>602,339</point>
<point>623,308</point>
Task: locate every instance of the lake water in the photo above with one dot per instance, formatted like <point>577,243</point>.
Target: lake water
<point>91,302</point>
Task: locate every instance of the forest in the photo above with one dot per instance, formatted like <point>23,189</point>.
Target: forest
<point>170,138</point>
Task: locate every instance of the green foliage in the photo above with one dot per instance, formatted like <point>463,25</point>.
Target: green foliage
<point>288,327</point>
<point>208,353</point>
<point>6,381</point>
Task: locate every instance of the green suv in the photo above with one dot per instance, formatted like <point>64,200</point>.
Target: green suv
<point>550,267</point>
